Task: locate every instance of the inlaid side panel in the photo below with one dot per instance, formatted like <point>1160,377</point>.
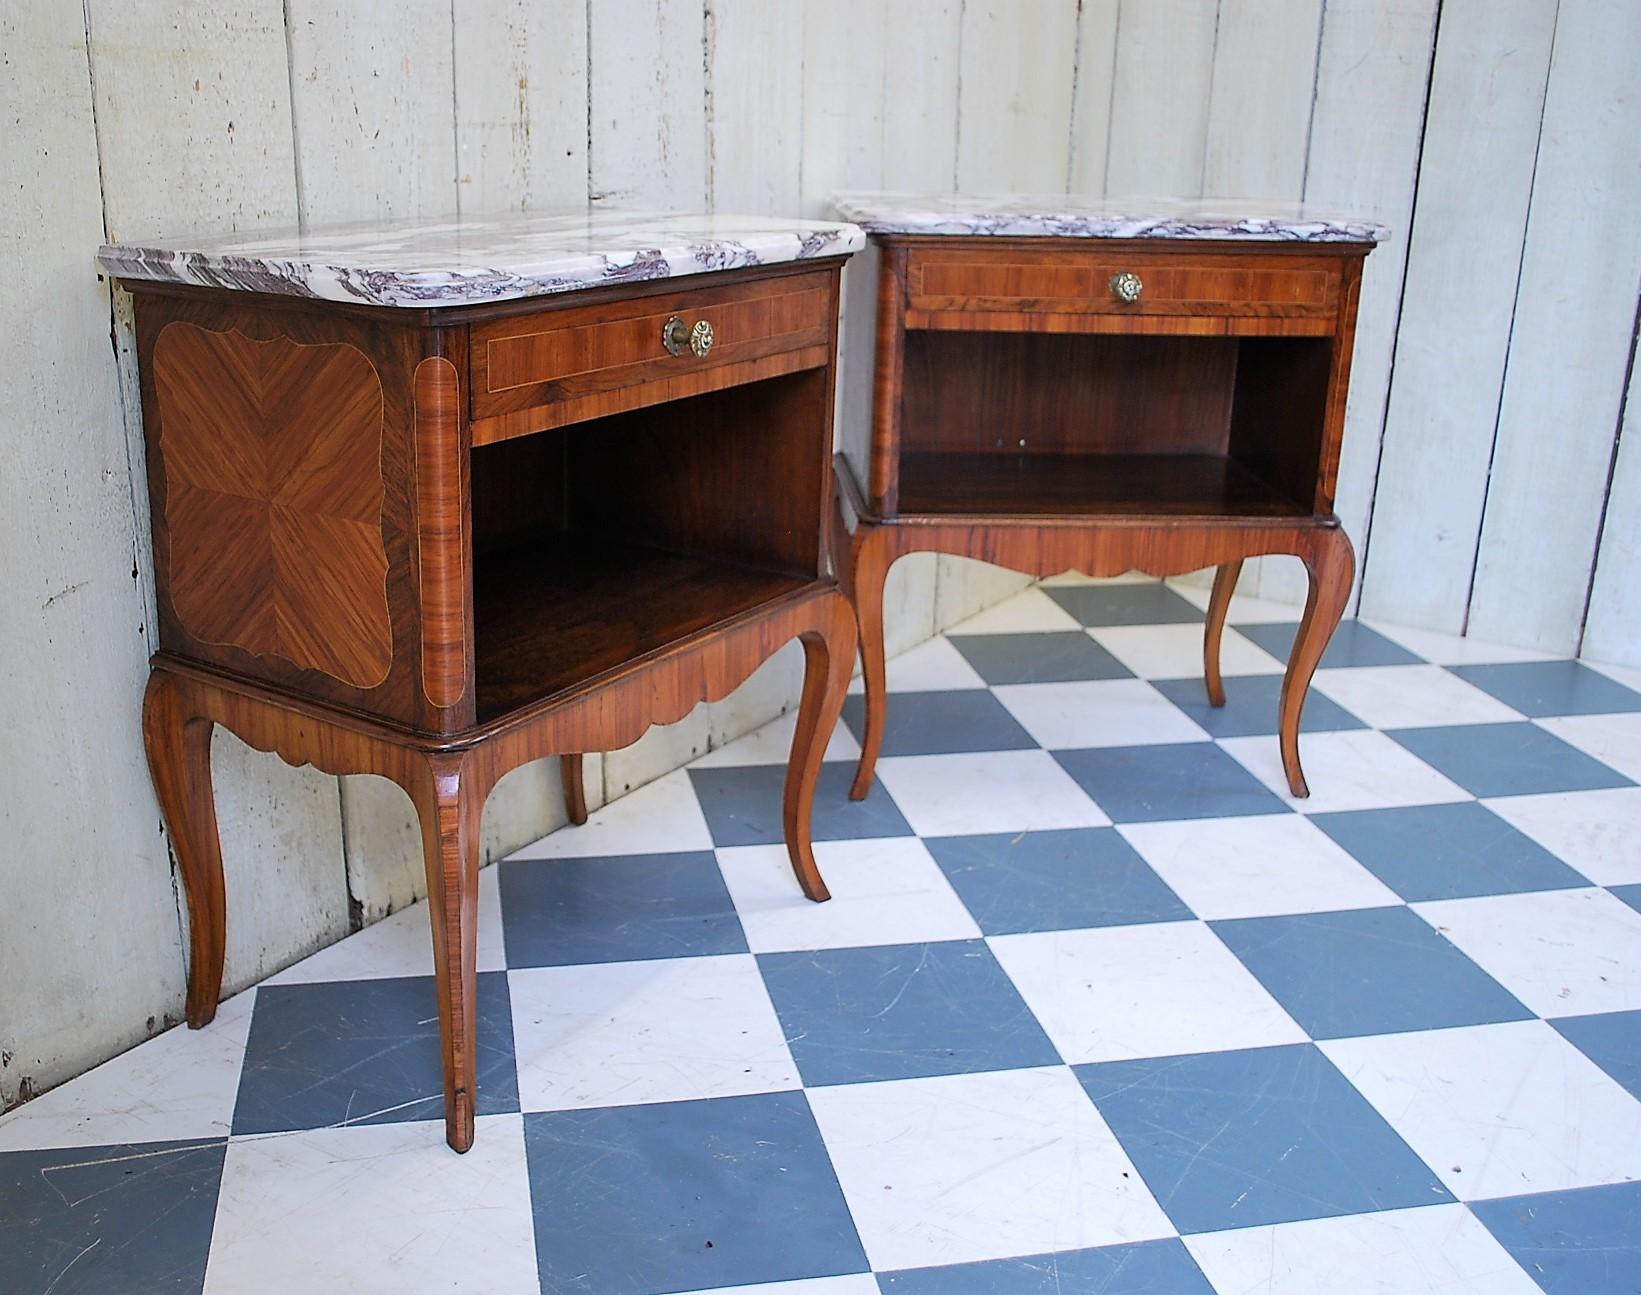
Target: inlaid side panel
<point>272,454</point>
<point>437,389</point>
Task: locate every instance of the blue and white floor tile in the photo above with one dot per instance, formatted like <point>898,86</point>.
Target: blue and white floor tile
<point>1097,1008</point>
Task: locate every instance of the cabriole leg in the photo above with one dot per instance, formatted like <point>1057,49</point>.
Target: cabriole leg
<point>868,572</point>
<point>575,787</point>
<point>828,653</point>
<point>1218,605</point>
<point>1331,564</point>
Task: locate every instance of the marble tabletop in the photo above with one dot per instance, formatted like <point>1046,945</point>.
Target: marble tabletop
<point>460,261</point>
<point>1069,216</point>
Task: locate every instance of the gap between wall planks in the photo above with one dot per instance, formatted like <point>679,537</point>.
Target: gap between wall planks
<point>295,110</point>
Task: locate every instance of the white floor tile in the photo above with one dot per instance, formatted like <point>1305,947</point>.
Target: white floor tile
<point>959,1168</point>
<point>1030,611</point>
<point>1358,769</point>
<point>1246,609</point>
<point>859,1284</point>
<point>1175,651</point>
<point>884,891</point>
<point>1498,1110</point>
<point>660,817</point>
<point>375,1208</point>
<point>994,791</point>
<point>1561,952</point>
<point>624,1033</point>
<point>772,744</point>
<point>1411,696</point>
<point>1615,740</point>
<point>401,944</point>
<point>1436,1250</point>
<point>1256,866</point>
<point>180,1084</point>
<point>932,666</point>
<point>1597,832</point>
<point>1453,649</point>
<point>1097,712</point>
<point>1141,991</point>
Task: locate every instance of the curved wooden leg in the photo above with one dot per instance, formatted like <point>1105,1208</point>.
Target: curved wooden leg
<point>828,654</point>
<point>1218,605</point>
<point>575,787</point>
<point>868,571</point>
<point>449,799</point>
<point>178,741</point>
<point>1331,564</point>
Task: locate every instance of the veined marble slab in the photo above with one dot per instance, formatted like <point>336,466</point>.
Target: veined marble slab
<point>1069,216</point>
<point>459,262</point>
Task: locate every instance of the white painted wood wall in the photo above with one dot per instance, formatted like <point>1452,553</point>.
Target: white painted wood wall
<point>1486,480</point>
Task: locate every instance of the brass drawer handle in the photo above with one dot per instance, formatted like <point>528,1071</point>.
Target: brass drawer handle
<point>678,337</point>
<point>1126,286</point>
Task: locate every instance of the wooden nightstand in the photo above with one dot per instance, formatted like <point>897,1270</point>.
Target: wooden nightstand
<point>431,502</point>
<point>1070,385</point>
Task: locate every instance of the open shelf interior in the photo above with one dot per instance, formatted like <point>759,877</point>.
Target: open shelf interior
<point>610,539</point>
<point>1036,424</point>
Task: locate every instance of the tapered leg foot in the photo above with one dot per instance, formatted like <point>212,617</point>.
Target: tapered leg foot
<point>869,571</point>
<point>575,788</point>
<point>1331,564</point>
<point>828,653</point>
<point>178,741</point>
<point>449,800</point>
<point>1218,605</point>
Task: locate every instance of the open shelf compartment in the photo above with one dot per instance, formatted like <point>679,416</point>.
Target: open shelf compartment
<point>1074,425</point>
<point>603,542</point>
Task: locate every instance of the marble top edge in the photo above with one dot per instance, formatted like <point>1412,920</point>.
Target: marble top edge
<point>473,260</point>
<point>1072,216</point>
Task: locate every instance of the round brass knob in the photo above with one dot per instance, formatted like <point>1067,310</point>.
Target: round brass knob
<point>675,335</point>
<point>701,338</point>
<point>1127,286</point>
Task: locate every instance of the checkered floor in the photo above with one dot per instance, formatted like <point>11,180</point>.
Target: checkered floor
<point>1097,1008</point>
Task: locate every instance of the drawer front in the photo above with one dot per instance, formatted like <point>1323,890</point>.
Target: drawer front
<point>1112,281</point>
<point>566,365</point>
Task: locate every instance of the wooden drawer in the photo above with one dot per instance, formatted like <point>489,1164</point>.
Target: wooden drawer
<point>1182,285</point>
<point>554,367</point>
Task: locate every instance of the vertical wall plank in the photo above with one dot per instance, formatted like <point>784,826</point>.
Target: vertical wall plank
<point>1569,351</point>
<point>374,104</point>
<point>646,111</point>
<point>1096,74</point>
<point>1159,100</point>
<point>920,94</point>
<point>194,133</point>
<point>1613,629</point>
<point>1372,74</point>
<point>1259,106</point>
<point>521,103</point>
<point>1014,106</point>
<point>90,954</point>
<point>1476,171</point>
<point>754,58</point>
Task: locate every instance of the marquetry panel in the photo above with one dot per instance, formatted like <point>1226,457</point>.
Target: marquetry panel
<point>271,454</point>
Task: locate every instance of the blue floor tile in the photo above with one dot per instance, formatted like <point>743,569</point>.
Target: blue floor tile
<point>1250,708</point>
<point>684,1196</point>
<point>1148,604</point>
<point>1144,1268</point>
<point>1507,759</point>
<point>942,723</point>
<point>901,1012</point>
<point>743,805</point>
<point>1142,784</point>
<point>1060,657</point>
<point>116,1220</point>
<point>1016,882</point>
<point>1352,644</point>
<point>1583,1242</point>
<point>1366,971</point>
<point>364,1052</point>
<point>1447,851</point>
<point>1542,688</point>
<point>626,908</point>
<point>1631,895</point>
<point>1610,1039</point>
<point>1266,1135</point>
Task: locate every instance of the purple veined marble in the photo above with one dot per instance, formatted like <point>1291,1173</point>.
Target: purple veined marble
<point>459,262</point>
<point>1069,216</point>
